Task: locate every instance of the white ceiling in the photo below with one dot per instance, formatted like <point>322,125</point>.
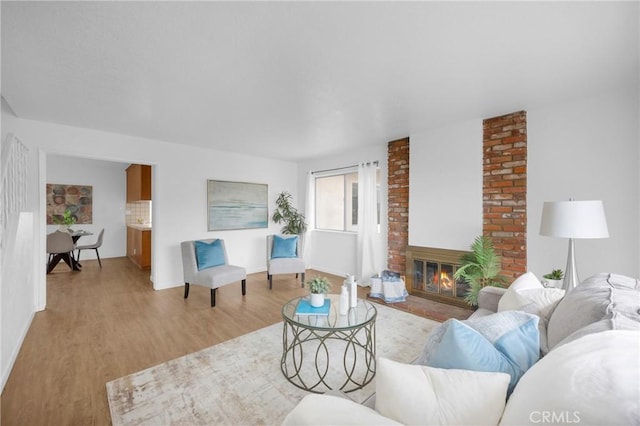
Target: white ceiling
<point>294,80</point>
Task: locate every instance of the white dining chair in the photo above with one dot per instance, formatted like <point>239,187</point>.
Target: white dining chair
<point>95,246</point>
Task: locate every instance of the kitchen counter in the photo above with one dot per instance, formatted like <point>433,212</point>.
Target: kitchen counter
<point>140,226</point>
<point>139,244</point>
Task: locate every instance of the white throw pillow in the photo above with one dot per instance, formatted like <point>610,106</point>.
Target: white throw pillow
<point>527,294</point>
<point>545,299</point>
<point>416,394</point>
<point>331,410</point>
<point>527,289</point>
<point>512,300</point>
<point>594,380</point>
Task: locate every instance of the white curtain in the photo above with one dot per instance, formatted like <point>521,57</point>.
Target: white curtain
<point>309,214</point>
<point>369,245</point>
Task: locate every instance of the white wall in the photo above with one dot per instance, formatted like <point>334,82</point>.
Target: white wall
<point>109,183</point>
<point>445,186</point>
<point>586,149</point>
<point>17,300</point>
<point>336,252</point>
<point>179,189</point>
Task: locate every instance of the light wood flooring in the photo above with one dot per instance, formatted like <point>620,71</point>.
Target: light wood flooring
<point>101,324</point>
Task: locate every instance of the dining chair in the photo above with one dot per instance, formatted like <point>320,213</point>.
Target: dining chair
<point>95,246</point>
<point>60,246</point>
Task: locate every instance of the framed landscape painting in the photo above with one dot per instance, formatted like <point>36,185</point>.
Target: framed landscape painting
<point>236,205</point>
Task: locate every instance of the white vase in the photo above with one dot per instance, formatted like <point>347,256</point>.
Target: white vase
<point>316,300</point>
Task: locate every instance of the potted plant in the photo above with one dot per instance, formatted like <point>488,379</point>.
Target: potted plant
<point>64,221</point>
<point>553,278</point>
<point>288,215</point>
<point>480,268</point>
<point>318,286</point>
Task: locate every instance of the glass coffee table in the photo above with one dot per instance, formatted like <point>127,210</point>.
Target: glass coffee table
<point>325,352</point>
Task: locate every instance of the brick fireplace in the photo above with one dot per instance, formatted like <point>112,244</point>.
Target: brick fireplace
<point>504,216</point>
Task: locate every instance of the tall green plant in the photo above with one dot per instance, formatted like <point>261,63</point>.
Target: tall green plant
<point>480,268</point>
<point>288,215</point>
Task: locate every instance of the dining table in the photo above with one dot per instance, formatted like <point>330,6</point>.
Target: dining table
<point>68,257</point>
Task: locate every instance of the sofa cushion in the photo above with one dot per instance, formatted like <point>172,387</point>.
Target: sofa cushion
<point>507,342</point>
<point>594,380</point>
<point>209,255</point>
<point>333,410</point>
<point>420,395</point>
<point>284,247</point>
<point>609,297</point>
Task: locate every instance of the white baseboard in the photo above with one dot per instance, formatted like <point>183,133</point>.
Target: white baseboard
<point>16,351</point>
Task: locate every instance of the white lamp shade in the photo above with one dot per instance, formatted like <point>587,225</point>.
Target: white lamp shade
<point>574,219</point>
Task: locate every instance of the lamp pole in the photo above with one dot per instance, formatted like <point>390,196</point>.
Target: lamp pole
<point>571,272</point>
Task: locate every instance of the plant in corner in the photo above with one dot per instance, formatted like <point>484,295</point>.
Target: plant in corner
<point>286,213</point>
<point>480,268</point>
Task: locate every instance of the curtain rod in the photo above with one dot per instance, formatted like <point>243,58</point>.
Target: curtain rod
<point>343,168</point>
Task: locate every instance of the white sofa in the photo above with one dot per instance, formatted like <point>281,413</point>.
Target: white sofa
<point>588,372</point>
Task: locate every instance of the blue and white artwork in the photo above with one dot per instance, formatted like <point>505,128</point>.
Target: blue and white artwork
<point>236,205</point>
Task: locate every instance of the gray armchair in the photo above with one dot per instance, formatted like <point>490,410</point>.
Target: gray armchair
<point>293,263</point>
<point>211,277</point>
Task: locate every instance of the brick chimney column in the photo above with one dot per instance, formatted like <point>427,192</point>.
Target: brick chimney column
<point>398,203</point>
<point>504,189</point>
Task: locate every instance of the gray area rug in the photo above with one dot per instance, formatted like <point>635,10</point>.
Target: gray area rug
<point>239,382</point>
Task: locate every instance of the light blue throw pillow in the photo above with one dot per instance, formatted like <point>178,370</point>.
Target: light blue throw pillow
<point>507,342</point>
<point>284,247</point>
<point>209,255</point>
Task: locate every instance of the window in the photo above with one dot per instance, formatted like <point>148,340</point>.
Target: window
<point>337,201</point>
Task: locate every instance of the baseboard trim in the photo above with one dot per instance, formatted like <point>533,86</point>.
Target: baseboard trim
<point>16,351</point>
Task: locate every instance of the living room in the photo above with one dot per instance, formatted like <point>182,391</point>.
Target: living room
<point>579,90</point>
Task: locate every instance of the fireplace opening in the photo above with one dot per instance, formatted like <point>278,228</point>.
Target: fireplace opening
<point>430,274</point>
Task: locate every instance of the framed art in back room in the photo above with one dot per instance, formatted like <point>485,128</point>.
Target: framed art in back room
<point>236,205</point>
<point>78,199</point>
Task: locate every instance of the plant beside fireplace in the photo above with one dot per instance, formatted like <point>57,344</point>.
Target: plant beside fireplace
<point>480,268</point>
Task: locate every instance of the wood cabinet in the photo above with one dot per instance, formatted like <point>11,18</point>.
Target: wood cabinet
<point>138,183</point>
<point>139,247</point>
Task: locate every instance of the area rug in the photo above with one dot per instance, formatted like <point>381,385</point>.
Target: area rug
<point>239,382</point>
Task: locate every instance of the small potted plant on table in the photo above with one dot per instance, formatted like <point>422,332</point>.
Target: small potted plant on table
<point>318,286</point>
<point>64,221</point>
<point>553,279</point>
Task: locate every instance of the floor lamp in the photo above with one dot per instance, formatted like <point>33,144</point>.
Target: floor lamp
<point>573,219</point>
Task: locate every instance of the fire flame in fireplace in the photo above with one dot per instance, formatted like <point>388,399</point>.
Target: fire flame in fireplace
<point>445,281</point>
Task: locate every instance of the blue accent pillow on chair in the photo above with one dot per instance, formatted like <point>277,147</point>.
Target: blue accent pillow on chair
<point>209,255</point>
<point>284,247</point>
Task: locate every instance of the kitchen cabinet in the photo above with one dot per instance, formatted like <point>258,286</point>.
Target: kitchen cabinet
<point>138,183</point>
<point>139,247</point>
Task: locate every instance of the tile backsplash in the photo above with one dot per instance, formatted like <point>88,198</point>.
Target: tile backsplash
<point>138,212</point>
